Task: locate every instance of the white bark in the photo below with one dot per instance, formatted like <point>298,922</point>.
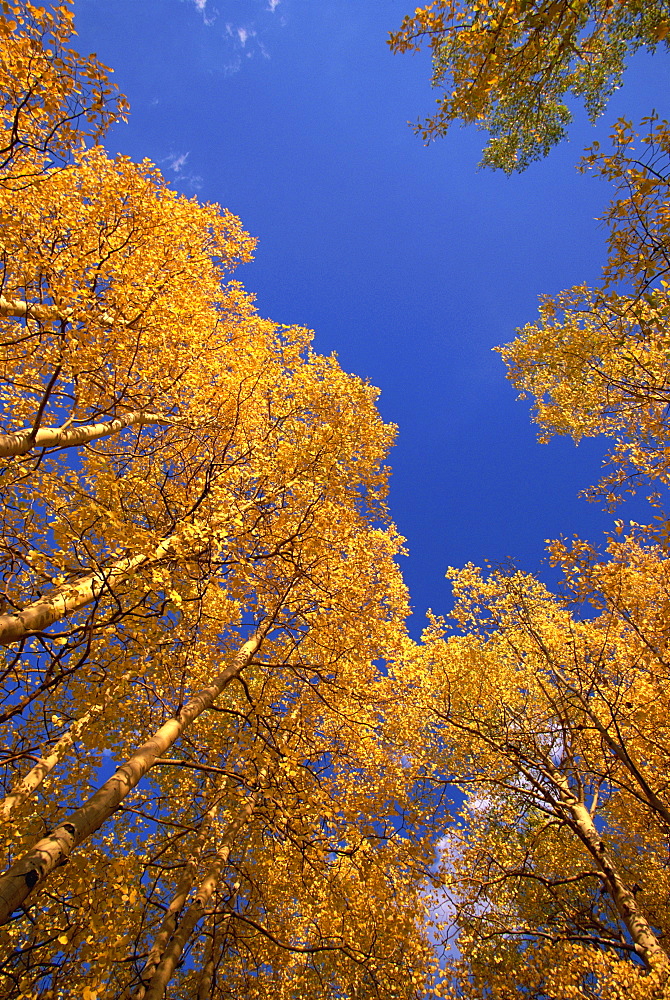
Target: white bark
<point>73,596</point>
<point>645,941</point>
<point>23,441</point>
<point>34,867</point>
<point>31,782</point>
<point>207,976</point>
<point>41,312</point>
<point>164,972</point>
<point>177,903</point>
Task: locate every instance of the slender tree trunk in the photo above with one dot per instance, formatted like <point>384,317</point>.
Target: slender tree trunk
<point>23,441</point>
<point>645,941</point>
<point>73,596</point>
<point>163,974</point>
<point>207,976</point>
<point>32,310</point>
<point>629,763</point>
<point>34,778</point>
<point>34,867</point>
<point>177,903</point>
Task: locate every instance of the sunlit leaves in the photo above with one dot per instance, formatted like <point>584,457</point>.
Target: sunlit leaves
<point>597,360</point>
<point>555,730</point>
<point>52,99</point>
<point>179,473</point>
<point>509,67</point>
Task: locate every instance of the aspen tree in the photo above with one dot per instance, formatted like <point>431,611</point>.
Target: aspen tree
<point>596,360</point>
<point>179,473</point>
<point>510,66</point>
<point>45,765</point>
<point>176,905</point>
<point>282,903</point>
<point>554,728</point>
<point>49,852</point>
<point>51,97</point>
<point>171,954</point>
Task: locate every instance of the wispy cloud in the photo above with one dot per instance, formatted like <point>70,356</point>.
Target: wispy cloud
<point>244,34</point>
<point>247,34</point>
<point>176,162</point>
<point>208,15</point>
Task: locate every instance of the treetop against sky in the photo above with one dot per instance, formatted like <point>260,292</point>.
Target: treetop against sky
<point>408,262</point>
<point>228,765</point>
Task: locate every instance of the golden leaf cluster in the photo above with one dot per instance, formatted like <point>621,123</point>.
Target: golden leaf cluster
<point>197,587</point>
<point>227,770</point>
<point>510,66</point>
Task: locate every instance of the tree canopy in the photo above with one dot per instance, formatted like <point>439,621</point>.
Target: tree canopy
<point>554,726</point>
<point>596,361</point>
<point>510,66</point>
<point>198,586</point>
<point>227,769</point>
<point>548,710</point>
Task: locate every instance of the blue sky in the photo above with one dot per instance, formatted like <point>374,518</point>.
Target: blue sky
<point>406,260</point>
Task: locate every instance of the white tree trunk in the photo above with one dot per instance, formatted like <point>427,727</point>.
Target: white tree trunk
<point>34,867</point>
<point>645,941</point>
<point>165,970</point>
<point>23,441</point>
<point>73,596</point>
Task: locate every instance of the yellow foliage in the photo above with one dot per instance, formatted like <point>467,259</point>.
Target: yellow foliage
<point>177,473</point>
<point>596,361</point>
<point>555,729</point>
<point>508,65</point>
